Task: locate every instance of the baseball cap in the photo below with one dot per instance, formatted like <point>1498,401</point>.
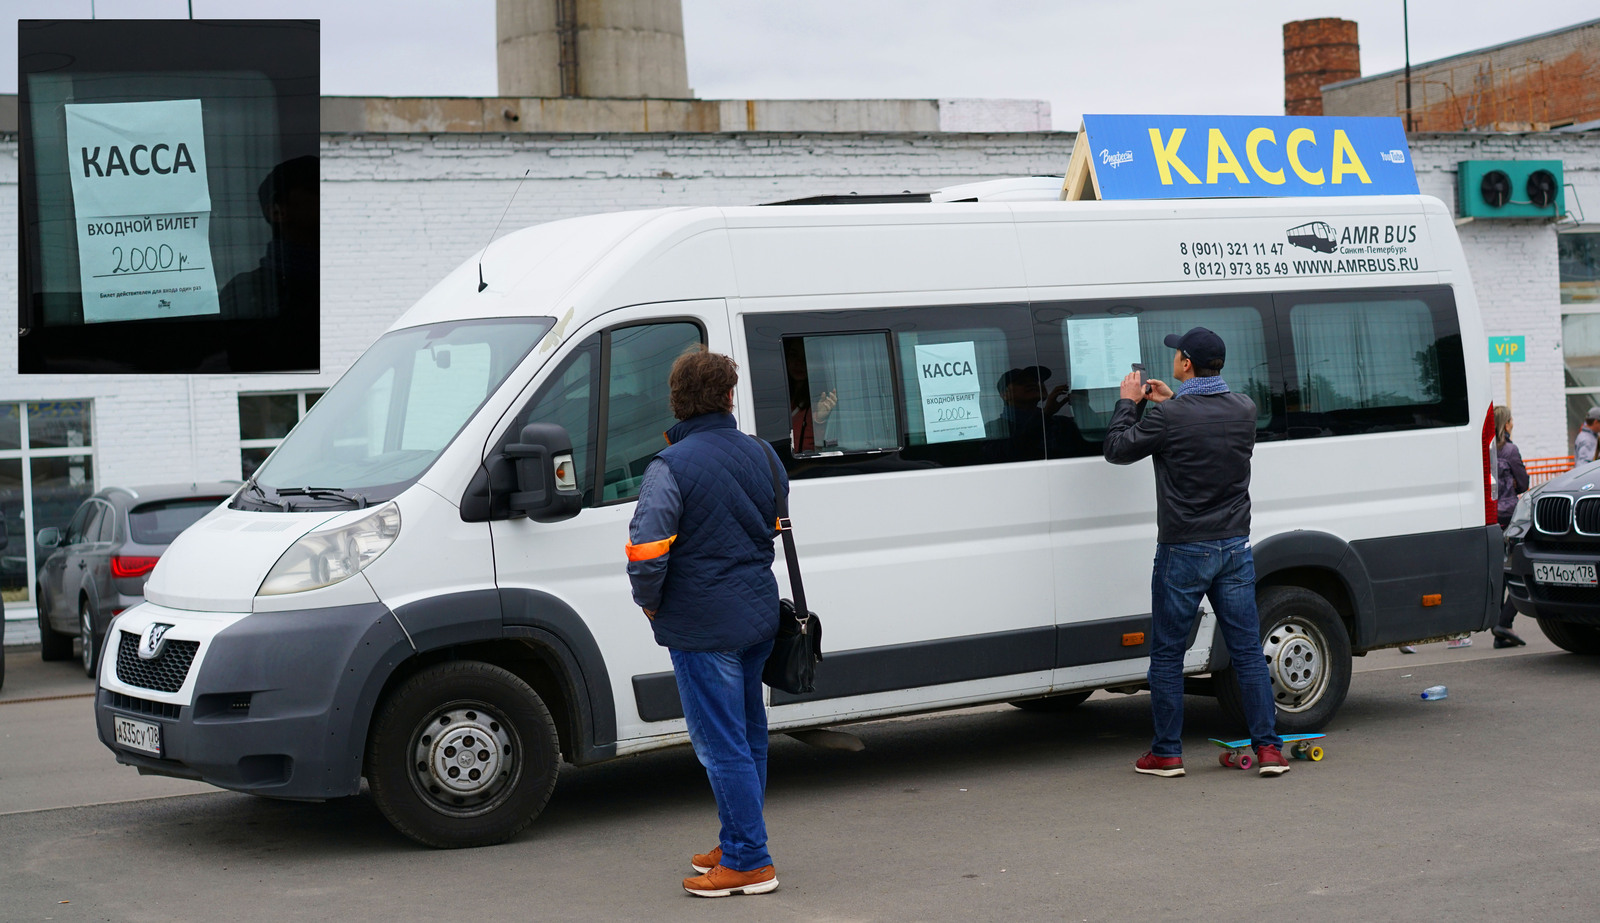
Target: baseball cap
<point>1592,415</point>
<point>1204,348</point>
<point>1036,373</point>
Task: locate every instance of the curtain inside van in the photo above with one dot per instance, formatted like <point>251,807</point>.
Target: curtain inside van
<point>1364,354</point>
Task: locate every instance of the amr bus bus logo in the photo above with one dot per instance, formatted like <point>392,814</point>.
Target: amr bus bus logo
<point>1315,235</point>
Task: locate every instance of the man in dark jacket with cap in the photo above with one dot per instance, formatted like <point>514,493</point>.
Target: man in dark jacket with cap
<point>700,561</point>
<point>1201,439</point>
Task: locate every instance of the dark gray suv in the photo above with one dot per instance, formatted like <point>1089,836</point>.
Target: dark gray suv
<point>1552,560</point>
<point>97,566</point>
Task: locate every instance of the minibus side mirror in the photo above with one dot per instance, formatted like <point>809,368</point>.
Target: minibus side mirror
<point>547,482</point>
<point>48,538</point>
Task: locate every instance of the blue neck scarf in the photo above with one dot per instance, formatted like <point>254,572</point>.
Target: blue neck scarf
<point>1211,385</point>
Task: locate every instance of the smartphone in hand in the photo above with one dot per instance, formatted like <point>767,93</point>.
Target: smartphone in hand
<point>1139,367</point>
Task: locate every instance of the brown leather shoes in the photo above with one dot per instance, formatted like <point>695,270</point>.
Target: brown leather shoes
<point>706,861</point>
<point>722,881</point>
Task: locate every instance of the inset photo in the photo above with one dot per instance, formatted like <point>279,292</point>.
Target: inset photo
<point>169,206</point>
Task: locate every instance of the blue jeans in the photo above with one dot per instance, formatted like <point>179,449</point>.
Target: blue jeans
<point>721,695</point>
<point>1225,571</point>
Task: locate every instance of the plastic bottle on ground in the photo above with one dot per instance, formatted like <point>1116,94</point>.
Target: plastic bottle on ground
<point>1435,692</point>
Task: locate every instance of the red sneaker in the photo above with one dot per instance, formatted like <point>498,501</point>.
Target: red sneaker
<point>1152,765</point>
<point>1271,761</point>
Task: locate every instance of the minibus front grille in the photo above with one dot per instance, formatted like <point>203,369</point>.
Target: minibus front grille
<point>1553,515</point>
<point>143,706</point>
<point>1586,518</point>
<point>165,673</point>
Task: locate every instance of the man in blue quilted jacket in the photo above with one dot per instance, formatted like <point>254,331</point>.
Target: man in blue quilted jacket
<point>700,560</point>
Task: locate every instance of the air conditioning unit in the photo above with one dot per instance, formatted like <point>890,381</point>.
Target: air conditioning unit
<point>1510,189</point>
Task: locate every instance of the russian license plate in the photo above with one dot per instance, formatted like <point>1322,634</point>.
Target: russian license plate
<point>1564,574</point>
<point>137,735</point>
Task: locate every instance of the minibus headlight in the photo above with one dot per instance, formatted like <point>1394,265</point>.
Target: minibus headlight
<point>324,558</point>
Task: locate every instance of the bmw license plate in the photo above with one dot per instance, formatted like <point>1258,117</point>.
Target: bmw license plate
<point>1564,574</point>
<point>137,735</point>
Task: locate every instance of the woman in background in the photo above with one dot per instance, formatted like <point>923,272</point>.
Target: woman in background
<point>1512,477</point>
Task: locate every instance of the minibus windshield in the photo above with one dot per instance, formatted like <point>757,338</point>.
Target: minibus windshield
<point>389,417</point>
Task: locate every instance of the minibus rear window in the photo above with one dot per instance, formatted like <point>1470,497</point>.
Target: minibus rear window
<point>1372,361</point>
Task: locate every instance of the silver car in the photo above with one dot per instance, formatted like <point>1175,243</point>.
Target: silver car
<point>97,566</point>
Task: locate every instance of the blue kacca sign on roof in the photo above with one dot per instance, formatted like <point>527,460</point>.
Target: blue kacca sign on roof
<point>1221,156</point>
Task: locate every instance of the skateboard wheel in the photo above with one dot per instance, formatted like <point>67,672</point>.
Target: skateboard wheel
<point>1226,759</point>
<point>1315,753</point>
<point>1300,752</point>
<point>1245,762</point>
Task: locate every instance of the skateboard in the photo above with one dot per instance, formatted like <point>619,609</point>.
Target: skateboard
<point>1236,754</point>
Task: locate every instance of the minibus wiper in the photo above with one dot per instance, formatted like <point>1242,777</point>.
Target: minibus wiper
<point>319,492</point>
<point>252,485</point>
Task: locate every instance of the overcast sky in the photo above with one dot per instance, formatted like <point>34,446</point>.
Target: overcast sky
<point>1152,56</point>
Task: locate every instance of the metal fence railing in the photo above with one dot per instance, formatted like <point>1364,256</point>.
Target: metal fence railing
<point>1543,469</point>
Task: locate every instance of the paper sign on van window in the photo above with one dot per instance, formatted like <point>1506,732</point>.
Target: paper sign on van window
<point>143,209</point>
<point>947,377</point>
<point>1103,350</point>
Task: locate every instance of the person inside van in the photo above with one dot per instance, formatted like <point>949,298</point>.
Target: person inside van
<point>1201,439</point>
<point>700,562</point>
<point>807,421</point>
<point>1030,429</point>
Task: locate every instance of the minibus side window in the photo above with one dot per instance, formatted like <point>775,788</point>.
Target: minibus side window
<point>1372,361</point>
<point>841,393</point>
<point>1094,344</point>
<point>570,399</point>
<point>869,391</point>
<point>637,408</point>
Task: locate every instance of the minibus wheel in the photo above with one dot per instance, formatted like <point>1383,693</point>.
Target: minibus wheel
<point>1308,660</point>
<point>462,754</point>
<point>1054,704</point>
<point>1577,639</point>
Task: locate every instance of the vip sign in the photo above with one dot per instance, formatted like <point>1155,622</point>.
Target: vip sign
<point>1181,157</point>
<point>142,208</point>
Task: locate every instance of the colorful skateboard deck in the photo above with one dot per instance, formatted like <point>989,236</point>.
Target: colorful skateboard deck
<point>1237,754</point>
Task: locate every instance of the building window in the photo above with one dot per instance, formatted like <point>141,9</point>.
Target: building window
<point>264,419</point>
<point>1579,256</point>
<point>46,472</point>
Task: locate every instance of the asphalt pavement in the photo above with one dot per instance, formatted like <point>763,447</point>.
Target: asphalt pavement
<point>1483,806</point>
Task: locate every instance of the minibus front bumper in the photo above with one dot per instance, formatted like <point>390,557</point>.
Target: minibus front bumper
<point>278,705</point>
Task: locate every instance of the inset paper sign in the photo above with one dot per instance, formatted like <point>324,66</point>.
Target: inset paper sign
<point>143,209</point>
<point>947,378</point>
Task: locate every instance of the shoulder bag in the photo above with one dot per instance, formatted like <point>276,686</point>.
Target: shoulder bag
<point>796,651</point>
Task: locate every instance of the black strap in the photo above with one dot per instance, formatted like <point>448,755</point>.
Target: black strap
<point>802,614</point>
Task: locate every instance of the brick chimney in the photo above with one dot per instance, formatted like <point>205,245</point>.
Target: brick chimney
<point>1317,52</point>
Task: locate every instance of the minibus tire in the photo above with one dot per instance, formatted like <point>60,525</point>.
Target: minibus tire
<point>1576,639</point>
<point>53,645</point>
<point>1054,704</point>
<point>1299,628</point>
<point>475,704</point>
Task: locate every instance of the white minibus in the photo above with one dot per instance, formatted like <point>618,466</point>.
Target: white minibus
<point>423,586</point>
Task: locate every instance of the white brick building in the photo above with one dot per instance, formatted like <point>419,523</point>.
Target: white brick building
<point>400,210</point>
